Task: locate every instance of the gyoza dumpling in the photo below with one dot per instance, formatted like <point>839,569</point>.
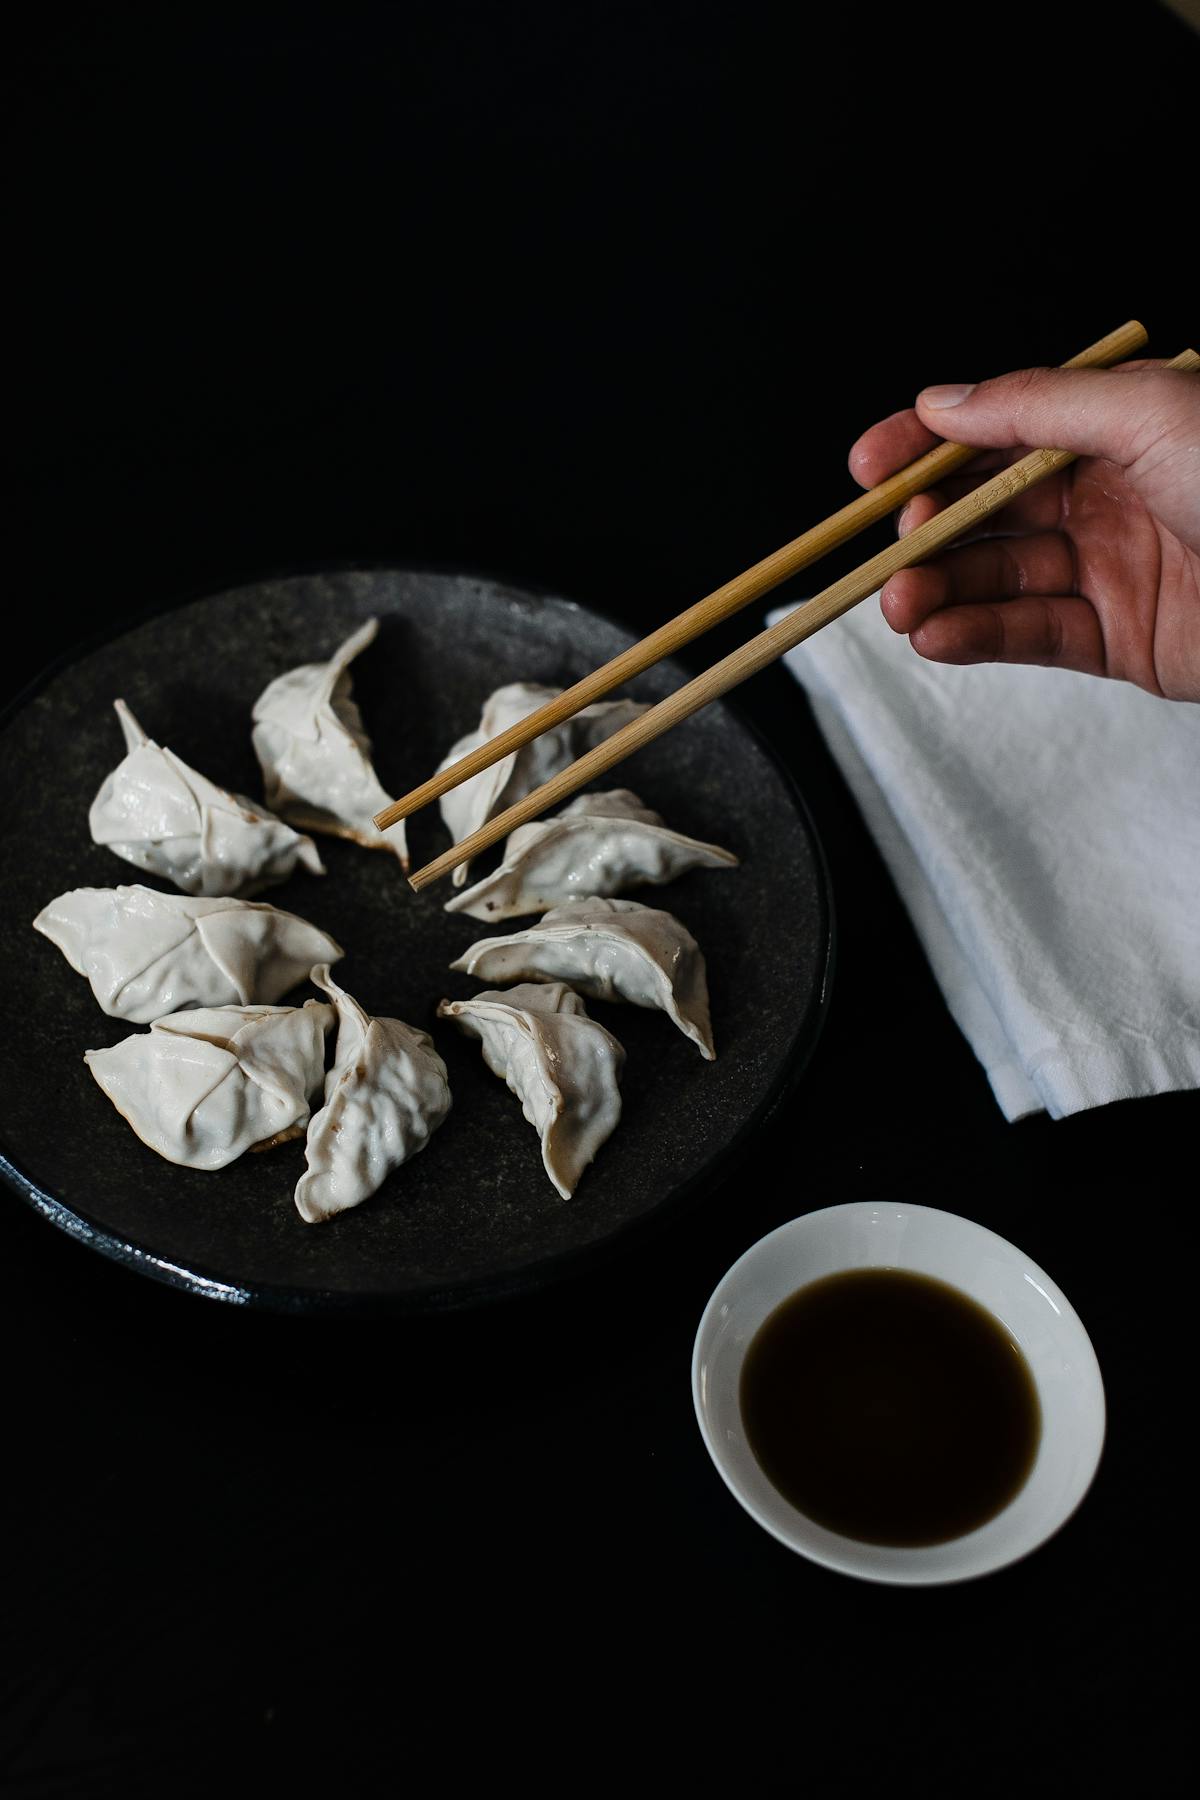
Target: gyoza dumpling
<point>147,953</point>
<point>163,816</point>
<point>612,950</point>
<point>562,1066</point>
<point>385,1096</point>
<point>201,1087</point>
<point>471,805</point>
<point>315,755</point>
<point>601,844</point>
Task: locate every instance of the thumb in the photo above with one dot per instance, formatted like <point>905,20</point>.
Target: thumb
<point>1113,413</point>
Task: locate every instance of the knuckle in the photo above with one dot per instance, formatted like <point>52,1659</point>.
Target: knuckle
<point>1011,399</point>
<point>1025,381</point>
<point>1051,633</point>
<point>1020,389</point>
<point>992,635</point>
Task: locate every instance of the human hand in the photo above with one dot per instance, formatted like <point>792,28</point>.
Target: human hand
<point>1096,568</point>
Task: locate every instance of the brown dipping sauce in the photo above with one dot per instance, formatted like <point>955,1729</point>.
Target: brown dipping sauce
<point>890,1407</point>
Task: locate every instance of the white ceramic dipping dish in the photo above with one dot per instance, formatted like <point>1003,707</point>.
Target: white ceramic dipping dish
<point>995,1273</point>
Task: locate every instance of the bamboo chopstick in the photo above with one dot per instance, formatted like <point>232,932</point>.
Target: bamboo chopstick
<point>724,601</point>
<point>750,657</point>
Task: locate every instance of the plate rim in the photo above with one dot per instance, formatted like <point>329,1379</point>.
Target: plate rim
<point>549,1271</point>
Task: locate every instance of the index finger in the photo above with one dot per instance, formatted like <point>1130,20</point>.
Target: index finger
<point>890,445</point>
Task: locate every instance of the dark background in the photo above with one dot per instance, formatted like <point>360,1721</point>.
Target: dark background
<point>597,297</point>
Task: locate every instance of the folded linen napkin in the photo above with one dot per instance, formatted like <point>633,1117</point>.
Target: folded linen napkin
<point>1043,829</point>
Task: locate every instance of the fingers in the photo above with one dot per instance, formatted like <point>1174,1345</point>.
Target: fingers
<point>993,569</point>
<point>998,600</point>
<point>888,446</point>
<point>1048,629</point>
<point>1115,413</point>
<point>1039,508</point>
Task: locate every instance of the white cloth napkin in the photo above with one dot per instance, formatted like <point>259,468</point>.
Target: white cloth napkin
<point>1043,829</point>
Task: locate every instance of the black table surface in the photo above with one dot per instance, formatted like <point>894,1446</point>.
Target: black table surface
<point>594,298</point>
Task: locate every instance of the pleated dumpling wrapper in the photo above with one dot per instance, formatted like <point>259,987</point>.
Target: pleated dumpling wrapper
<point>467,807</point>
<point>385,1096</point>
<point>602,844</point>
<point>315,754</point>
<point>146,953</point>
<point>201,1087</point>
<point>610,950</point>
<point>161,815</point>
<point>563,1067</point>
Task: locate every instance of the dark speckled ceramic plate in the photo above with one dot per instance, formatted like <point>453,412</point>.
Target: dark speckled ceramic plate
<point>473,1216</point>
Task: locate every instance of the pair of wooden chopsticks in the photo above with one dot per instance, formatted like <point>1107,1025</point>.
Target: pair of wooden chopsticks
<point>926,541</point>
